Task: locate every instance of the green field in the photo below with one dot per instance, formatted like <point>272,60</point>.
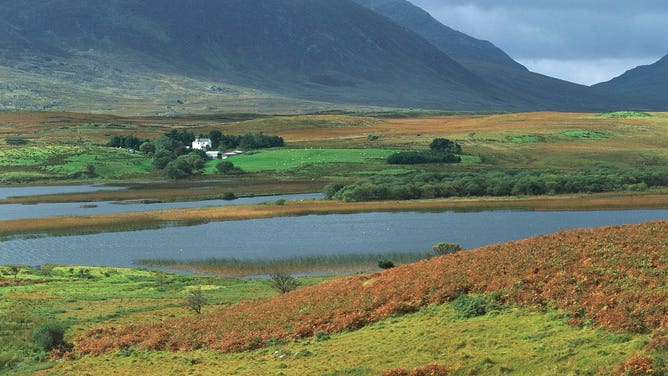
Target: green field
<point>70,162</point>
<point>288,159</point>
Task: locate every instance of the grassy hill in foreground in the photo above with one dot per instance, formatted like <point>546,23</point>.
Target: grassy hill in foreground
<point>611,278</point>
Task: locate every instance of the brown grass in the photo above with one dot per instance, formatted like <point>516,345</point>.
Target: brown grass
<point>154,219</point>
<point>613,276</point>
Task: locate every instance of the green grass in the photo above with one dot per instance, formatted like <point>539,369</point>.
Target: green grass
<point>81,298</point>
<point>59,162</point>
<point>624,115</point>
<point>505,341</point>
<point>585,134</point>
<point>523,139</point>
<point>288,159</point>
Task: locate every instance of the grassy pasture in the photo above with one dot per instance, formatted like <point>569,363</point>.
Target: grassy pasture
<point>287,159</point>
<point>69,162</point>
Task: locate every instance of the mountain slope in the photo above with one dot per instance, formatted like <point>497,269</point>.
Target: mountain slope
<point>648,80</point>
<point>492,64</point>
<point>312,49</point>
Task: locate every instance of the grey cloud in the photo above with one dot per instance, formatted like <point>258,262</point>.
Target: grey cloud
<point>561,29</point>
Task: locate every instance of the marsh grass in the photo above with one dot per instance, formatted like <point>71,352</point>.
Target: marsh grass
<point>81,225</point>
<point>301,265</point>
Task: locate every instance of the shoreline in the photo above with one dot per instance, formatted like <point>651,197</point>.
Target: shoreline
<point>135,221</point>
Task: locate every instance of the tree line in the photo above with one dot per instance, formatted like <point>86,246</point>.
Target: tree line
<point>171,152</point>
<point>496,183</point>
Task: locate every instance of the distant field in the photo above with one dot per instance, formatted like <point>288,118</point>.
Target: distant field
<point>69,162</point>
<point>329,148</point>
<point>287,159</point>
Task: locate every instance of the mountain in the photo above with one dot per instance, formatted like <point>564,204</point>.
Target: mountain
<point>495,66</point>
<point>648,80</point>
<point>323,50</point>
<point>157,57</point>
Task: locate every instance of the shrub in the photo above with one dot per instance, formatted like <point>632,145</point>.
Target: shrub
<point>229,196</point>
<point>636,366</point>
<point>48,336</point>
<point>446,248</point>
<point>467,306</point>
<point>385,264</point>
<point>332,189</point>
<point>444,145</point>
<point>228,168</point>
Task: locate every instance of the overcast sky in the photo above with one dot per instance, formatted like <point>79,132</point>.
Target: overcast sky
<point>584,41</point>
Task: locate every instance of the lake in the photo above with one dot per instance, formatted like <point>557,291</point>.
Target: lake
<point>6,192</point>
<point>309,235</point>
<point>20,211</point>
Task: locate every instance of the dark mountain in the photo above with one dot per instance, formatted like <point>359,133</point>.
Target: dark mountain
<point>326,50</point>
<point>259,55</point>
<point>495,66</point>
<point>648,81</point>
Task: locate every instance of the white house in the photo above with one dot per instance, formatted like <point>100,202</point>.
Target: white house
<point>202,143</point>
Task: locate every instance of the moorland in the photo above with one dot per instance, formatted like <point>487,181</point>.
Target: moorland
<point>588,301</point>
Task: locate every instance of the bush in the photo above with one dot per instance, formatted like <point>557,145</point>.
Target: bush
<point>331,189</point>
<point>228,168</point>
<point>48,336</point>
<point>229,196</point>
<point>385,264</point>
<point>441,249</point>
<point>467,306</point>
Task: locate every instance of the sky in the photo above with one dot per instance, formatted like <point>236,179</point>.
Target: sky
<point>583,41</point>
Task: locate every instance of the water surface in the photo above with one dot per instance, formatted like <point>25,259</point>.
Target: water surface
<point>20,211</point>
<point>309,235</point>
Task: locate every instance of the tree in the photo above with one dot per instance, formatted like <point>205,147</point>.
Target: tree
<point>283,282</point>
<point>90,171</point>
<point>147,148</point>
<point>215,136</point>
<point>162,158</point>
<point>443,145</point>
<point>446,248</point>
<point>196,300</point>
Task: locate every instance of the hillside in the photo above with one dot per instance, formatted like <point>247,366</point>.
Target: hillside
<point>612,277</point>
<point>327,51</point>
<point>274,56</point>
<point>495,66</point>
<point>647,80</point>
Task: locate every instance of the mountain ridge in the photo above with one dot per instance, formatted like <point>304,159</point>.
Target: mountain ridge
<point>210,56</point>
<point>645,80</point>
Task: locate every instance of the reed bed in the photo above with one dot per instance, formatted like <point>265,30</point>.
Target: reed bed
<point>80,225</point>
<point>299,265</point>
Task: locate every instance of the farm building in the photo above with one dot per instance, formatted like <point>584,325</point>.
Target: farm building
<point>202,143</point>
<point>214,154</point>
